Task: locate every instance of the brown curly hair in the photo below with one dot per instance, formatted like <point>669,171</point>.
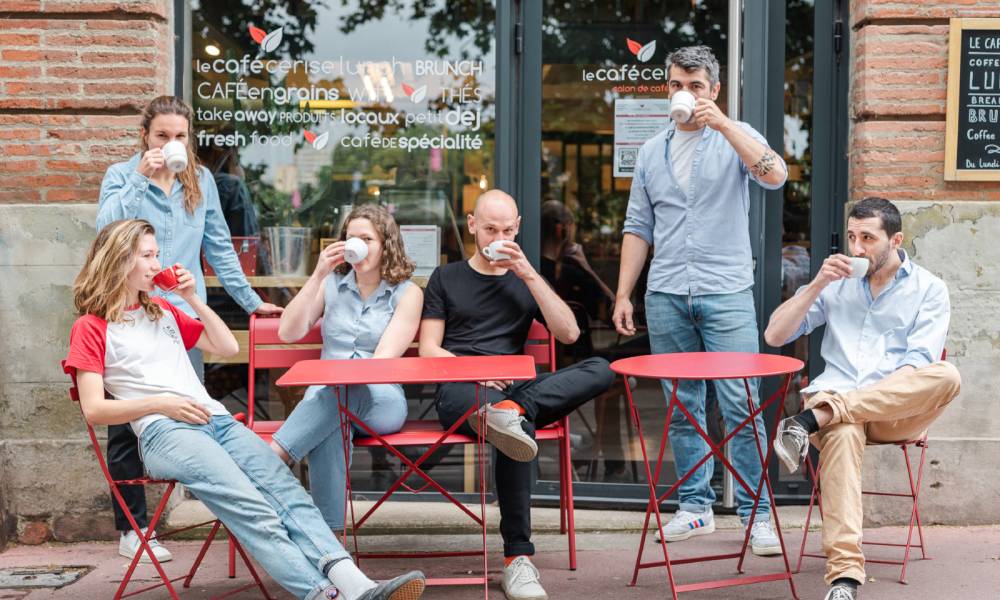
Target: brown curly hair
<point>396,265</point>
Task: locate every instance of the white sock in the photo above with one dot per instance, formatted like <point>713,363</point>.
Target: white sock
<point>349,579</point>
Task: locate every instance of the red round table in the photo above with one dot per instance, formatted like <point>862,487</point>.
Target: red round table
<point>705,366</point>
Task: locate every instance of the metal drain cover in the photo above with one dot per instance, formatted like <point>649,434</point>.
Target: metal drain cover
<point>40,577</point>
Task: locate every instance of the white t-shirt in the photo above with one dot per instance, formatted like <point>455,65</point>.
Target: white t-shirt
<point>141,357</point>
<point>682,147</point>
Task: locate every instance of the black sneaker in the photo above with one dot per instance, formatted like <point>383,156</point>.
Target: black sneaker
<point>408,586</point>
<point>842,591</point>
<point>791,444</point>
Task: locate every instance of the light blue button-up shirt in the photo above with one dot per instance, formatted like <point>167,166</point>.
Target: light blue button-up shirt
<point>352,326</point>
<point>866,340</point>
<point>126,194</point>
<point>701,235</point>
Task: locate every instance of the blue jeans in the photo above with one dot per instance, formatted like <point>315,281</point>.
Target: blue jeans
<point>313,430</point>
<point>243,482</point>
<point>712,323</point>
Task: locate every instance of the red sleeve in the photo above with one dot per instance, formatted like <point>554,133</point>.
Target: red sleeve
<point>86,344</point>
<point>190,327</point>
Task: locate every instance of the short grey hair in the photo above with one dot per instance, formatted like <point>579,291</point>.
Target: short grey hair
<point>692,58</point>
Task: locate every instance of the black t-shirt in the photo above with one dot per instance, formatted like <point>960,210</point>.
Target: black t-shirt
<point>482,314</point>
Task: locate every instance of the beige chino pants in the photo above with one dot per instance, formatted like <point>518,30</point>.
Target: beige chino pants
<point>899,408</point>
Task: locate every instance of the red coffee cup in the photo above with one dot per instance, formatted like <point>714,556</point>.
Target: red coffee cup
<point>166,279</point>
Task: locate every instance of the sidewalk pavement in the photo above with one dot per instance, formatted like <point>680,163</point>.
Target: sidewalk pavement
<point>965,564</point>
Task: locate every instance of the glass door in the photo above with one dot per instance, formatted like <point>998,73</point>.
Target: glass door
<point>600,56</point>
<point>601,62</point>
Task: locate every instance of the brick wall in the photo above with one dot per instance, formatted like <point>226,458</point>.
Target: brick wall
<point>898,92</point>
<point>73,78</point>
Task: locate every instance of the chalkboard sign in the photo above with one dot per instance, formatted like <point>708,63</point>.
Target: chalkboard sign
<point>972,142</point>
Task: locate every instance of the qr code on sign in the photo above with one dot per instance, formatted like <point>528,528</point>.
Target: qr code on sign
<point>626,157</point>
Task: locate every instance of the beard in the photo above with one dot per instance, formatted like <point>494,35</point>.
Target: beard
<point>880,259</point>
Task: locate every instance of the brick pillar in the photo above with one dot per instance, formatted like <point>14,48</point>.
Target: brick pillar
<point>71,89</point>
<point>74,75</point>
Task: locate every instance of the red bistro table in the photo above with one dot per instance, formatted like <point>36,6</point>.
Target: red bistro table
<point>418,370</point>
<point>704,366</point>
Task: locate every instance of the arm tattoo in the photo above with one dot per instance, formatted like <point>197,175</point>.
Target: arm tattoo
<point>765,165</point>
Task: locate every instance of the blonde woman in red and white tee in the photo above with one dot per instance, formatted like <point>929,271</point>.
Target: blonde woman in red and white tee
<point>133,348</point>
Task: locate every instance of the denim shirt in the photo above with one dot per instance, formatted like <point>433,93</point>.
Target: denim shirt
<point>352,326</point>
<point>701,235</point>
<point>126,194</point>
<point>868,339</point>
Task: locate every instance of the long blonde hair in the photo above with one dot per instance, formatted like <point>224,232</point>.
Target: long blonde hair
<point>396,265</point>
<point>100,288</point>
<point>172,105</point>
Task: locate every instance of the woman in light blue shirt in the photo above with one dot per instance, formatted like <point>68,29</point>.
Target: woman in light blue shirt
<point>369,310</point>
<point>184,209</point>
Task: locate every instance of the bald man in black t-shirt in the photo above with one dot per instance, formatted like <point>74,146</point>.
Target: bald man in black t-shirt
<point>486,307</point>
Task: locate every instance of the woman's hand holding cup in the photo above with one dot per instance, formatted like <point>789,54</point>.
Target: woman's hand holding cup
<point>152,161</point>
<point>329,259</point>
<point>185,282</point>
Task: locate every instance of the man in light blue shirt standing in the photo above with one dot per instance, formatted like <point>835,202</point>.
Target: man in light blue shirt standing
<point>690,201</point>
<point>885,333</point>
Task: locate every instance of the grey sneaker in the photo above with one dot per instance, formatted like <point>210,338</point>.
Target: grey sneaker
<point>504,432</point>
<point>408,586</point>
<point>842,592</point>
<point>791,444</point>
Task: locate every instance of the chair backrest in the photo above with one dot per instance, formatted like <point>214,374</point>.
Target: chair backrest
<point>74,395</point>
<point>268,351</point>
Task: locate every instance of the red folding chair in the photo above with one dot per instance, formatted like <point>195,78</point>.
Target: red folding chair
<point>815,498</point>
<point>268,351</point>
<point>144,538</point>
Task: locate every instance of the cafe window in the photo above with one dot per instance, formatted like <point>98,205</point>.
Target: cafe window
<point>304,110</point>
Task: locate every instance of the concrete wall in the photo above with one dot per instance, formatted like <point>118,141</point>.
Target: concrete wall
<point>899,80</point>
<point>74,75</point>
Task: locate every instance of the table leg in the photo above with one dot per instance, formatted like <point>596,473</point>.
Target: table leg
<point>345,435</point>
<point>654,501</point>
<point>481,445</point>
<point>765,481</point>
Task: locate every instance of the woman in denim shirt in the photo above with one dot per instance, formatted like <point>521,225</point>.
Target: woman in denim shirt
<point>370,310</point>
<point>184,208</point>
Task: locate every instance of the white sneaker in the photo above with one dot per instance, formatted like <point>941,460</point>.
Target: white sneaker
<point>520,581</point>
<point>504,432</point>
<point>763,540</point>
<point>129,544</point>
<point>688,524</point>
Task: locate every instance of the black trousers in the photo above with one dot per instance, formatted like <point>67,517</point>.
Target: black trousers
<point>545,399</point>
<point>124,463</point>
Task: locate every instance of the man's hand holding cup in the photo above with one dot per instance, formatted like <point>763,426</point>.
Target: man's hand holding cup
<point>507,254</point>
<point>839,266</point>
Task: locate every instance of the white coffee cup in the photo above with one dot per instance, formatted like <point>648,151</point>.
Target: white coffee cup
<point>859,266</point>
<point>175,156</point>
<point>355,250</point>
<point>682,106</point>
<point>492,251</point>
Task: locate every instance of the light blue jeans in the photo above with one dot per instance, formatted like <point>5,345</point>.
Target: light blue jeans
<point>313,430</point>
<point>712,323</point>
<point>243,482</point>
